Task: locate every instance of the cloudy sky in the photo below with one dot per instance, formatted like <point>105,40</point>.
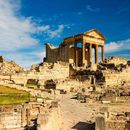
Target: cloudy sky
<point>25,25</point>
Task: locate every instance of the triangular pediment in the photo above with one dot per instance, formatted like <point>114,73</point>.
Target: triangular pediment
<point>95,33</point>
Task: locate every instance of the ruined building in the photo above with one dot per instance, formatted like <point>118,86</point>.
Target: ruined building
<point>77,49</point>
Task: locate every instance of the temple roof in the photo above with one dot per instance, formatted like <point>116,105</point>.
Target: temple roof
<point>91,33</point>
<point>96,31</point>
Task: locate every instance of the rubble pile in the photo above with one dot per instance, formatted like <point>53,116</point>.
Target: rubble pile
<point>9,67</point>
<point>116,60</point>
<point>115,71</point>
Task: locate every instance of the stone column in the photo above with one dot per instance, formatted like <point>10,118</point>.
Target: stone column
<point>28,116</point>
<point>75,55</point>
<point>90,54</point>
<point>96,54</point>
<point>83,52</point>
<point>68,52</point>
<point>23,117</point>
<point>103,56</point>
<point>100,122</point>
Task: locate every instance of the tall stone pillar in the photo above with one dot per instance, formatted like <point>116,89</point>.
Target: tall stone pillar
<point>23,117</point>
<point>103,56</point>
<point>75,55</point>
<point>90,54</point>
<point>83,52</point>
<point>96,54</point>
<point>28,116</point>
<point>68,52</point>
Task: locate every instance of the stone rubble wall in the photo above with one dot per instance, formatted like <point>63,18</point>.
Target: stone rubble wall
<point>9,68</point>
<point>12,117</point>
<point>58,72</point>
<point>115,118</point>
<point>54,54</point>
<point>117,125</point>
<point>116,78</point>
<point>50,121</point>
<point>116,60</point>
<point>17,117</point>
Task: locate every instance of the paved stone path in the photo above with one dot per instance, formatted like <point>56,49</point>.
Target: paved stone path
<point>76,116</point>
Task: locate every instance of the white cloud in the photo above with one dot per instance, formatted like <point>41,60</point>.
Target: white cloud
<point>92,9</point>
<point>57,32</point>
<point>25,59</point>
<point>117,46</point>
<point>17,32</point>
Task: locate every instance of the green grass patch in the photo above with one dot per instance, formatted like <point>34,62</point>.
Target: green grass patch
<point>29,85</point>
<point>13,96</point>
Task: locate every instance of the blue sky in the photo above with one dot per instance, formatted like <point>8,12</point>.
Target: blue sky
<point>25,25</point>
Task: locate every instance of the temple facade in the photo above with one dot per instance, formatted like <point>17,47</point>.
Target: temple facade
<point>77,49</point>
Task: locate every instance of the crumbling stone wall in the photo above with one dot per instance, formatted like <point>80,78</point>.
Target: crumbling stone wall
<point>50,121</point>
<point>12,117</point>
<point>116,60</point>
<point>54,54</point>
<point>20,117</point>
<point>113,119</point>
<point>116,78</point>
<point>9,67</point>
<point>56,71</point>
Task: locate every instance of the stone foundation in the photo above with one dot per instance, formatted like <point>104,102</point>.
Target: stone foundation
<point>20,117</point>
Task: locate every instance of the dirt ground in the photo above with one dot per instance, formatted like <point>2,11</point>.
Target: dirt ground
<point>81,116</point>
<point>76,115</point>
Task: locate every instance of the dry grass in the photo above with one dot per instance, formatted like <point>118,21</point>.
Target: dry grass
<point>12,96</point>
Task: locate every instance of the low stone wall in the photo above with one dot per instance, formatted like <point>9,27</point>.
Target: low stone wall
<point>57,72</point>
<point>116,60</point>
<point>117,125</point>
<point>50,121</point>
<point>113,121</point>
<point>19,117</point>
<point>13,117</point>
<point>116,78</point>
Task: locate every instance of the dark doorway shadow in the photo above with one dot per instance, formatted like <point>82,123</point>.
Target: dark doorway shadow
<point>127,127</point>
<point>84,126</point>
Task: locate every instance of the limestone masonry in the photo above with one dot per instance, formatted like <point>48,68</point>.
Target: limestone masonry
<point>77,49</point>
<point>70,89</point>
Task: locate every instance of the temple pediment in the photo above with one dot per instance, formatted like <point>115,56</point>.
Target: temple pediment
<point>95,34</point>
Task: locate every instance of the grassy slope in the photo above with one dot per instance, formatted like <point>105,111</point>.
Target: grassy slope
<point>12,96</point>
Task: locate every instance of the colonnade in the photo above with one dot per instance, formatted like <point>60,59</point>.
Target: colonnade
<point>89,48</point>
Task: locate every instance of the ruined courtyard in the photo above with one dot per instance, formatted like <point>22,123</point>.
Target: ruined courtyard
<point>71,89</point>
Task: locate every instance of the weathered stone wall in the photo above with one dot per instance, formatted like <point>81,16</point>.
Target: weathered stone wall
<point>50,121</point>
<point>12,117</point>
<point>116,78</point>
<point>64,53</point>
<point>51,53</point>
<point>54,54</point>
<point>113,118</point>
<point>116,60</point>
<point>19,117</point>
<point>117,125</point>
<point>56,71</point>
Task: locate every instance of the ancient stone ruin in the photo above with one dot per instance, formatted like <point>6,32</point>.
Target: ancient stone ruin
<point>77,49</point>
<point>68,81</point>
